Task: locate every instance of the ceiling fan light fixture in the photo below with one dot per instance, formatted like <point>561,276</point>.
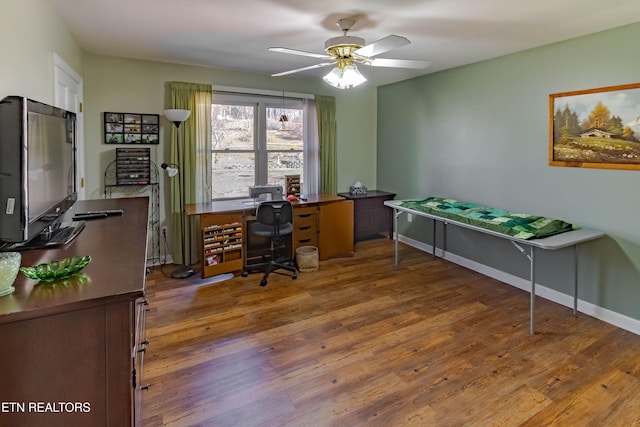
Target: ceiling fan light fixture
<point>344,43</point>
<point>333,77</point>
<point>344,78</point>
<point>345,51</point>
<point>352,77</point>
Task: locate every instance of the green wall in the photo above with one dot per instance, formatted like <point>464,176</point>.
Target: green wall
<point>30,33</point>
<point>480,133</point>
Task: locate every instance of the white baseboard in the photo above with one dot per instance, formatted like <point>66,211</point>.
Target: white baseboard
<point>601,313</point>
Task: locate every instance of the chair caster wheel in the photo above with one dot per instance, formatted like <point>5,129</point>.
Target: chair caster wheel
<point>263,282</point>
<point>295,276</point>
<point>245,274</point>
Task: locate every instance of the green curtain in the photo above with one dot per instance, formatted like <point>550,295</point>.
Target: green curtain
<point>194,165</point>
<point>326,111</point>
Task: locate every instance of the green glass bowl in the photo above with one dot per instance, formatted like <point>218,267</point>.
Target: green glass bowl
<point>56,270</point>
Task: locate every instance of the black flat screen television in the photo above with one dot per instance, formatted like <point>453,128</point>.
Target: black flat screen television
<point>37,174</point>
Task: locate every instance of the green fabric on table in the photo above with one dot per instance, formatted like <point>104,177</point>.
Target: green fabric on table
<point>520,225</point>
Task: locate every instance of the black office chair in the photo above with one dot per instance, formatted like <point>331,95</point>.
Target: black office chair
<point>274,220</point>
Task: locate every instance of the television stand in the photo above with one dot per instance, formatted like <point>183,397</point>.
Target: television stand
<point>60,234</point>
<point>80,340</point>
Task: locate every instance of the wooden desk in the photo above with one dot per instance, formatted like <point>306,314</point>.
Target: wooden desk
<point>323,220</point>
<point>73,340</point>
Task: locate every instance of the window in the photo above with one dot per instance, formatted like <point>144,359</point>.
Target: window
<point>251,145</point>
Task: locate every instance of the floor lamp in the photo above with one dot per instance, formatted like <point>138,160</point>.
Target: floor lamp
<point>177,117</point>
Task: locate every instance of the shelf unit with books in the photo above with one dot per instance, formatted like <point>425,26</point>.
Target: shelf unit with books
<point>222,243</point>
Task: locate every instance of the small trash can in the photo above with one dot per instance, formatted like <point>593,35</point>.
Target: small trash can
<point>307,258</point>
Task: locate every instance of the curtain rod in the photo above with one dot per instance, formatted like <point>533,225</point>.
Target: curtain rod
<point>249,91</point>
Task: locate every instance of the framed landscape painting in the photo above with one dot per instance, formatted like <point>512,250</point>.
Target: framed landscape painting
<point>596,128</point>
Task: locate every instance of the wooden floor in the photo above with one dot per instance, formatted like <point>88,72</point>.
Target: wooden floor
<point>362,342</point>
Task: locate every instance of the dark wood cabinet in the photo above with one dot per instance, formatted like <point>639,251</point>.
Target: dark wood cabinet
<point>371,216</point>
<point>72,350</point>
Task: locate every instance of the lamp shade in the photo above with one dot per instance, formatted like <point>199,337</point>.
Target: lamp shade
<point>171,171</point>
<point>333,77</point>
<point>176,115</point>
<point>344,78</point>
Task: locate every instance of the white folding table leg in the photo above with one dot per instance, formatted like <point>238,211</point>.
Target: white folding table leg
<point>575,280</point>
<point>532,307</point>
<point>532,276</point>
<point>433,253</point>
<point>396,214</point>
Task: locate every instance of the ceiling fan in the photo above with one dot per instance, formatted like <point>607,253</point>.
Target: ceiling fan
<point>347,51</point>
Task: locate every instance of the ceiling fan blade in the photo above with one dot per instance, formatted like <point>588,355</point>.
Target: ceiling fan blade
<point>299,52</point>
<point>399,63</point>
<point>297,70</point>
<point>381,46</point>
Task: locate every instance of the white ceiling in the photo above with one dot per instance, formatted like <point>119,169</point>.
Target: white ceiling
<point>236,34</point>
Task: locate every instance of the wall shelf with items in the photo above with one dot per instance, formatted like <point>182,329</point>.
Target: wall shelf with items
<point>114,187</point>
<point>133,166</point>
<point>222,244</point>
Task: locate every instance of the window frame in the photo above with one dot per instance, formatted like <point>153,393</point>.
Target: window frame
<point>260,103</point>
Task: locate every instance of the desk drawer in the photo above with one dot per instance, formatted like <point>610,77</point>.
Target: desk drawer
<point>305,227</point>
<point>306,236</point>
<point>305,219</point>
<point>308,223</point>
<point>305,213</point>
<point>304,240</point>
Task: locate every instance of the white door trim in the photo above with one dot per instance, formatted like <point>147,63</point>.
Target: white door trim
<point>67,80</point>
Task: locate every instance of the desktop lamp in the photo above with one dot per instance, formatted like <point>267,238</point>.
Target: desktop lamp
<point>171,171</point>
<point>177,117</point>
